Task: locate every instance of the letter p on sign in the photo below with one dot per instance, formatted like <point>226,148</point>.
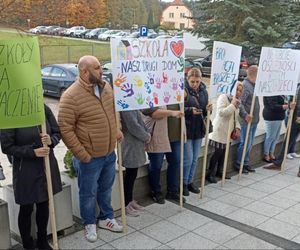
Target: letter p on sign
<point>143,31</point>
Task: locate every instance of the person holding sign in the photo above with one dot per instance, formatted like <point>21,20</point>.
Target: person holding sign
<point>133,154</point>
<point>226,107</point>
<point>161,144</point>
<point>195,109</point>
<point>88,126</point>
<point>295,131</point>
<point>273,113</point>
<point>29,178</point>
<point>245,118</point>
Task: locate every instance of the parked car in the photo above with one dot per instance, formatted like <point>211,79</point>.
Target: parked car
<point>291,45</point>
<point>50,29</point>
<point>94,33</point>
<point>56,78</point>
<point>72,31</point>
<point>120,34</point>
<point>83,33</point>
<point>60,31</point>
<point>37,29</point>
<point>107,34</point>
<point>188,64</point>
<point>134,35</point>
<point>205,65</point>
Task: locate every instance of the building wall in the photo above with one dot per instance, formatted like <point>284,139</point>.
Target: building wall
<point>176,15</point>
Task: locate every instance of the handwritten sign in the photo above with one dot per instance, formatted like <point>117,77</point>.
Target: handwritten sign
<point>278,72</point>
<point>225,68</point>
<point>21,94</point>
<point>147,72</point>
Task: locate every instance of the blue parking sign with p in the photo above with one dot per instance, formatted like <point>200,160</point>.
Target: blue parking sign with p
<point>143,31</point>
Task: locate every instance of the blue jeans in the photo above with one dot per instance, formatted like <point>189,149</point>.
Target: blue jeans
<point>191,154</point>
<point>242,142</point>
<point>155,165</point>
<point>95,181</point>
<point>272,135</point>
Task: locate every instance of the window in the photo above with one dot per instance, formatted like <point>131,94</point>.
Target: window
<point>171,15</point>
<point>182,15</point>
<point>46,71</point>
<point>57,72</point>
<point>181,26</point>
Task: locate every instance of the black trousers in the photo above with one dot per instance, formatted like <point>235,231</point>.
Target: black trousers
<point>130,176</point>
<point>24,222</point>
<point>216,162</point>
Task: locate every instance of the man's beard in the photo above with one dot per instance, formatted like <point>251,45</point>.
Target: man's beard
<point>94,80</point>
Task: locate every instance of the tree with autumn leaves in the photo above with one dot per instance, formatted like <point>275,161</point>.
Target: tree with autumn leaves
<point>89,13</point>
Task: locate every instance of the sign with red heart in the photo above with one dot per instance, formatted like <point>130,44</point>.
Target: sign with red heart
<point>177,47</point>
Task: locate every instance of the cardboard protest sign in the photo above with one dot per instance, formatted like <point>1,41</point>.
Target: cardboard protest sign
<point>225,68</point>
<point>278,72</point>
<point>21,93</point>
<point>147,72</point>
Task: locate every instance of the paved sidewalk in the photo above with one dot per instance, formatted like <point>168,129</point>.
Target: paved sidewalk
<point>262,211</point>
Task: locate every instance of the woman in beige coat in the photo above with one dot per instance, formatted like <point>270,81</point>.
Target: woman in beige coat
<point>227,106</point>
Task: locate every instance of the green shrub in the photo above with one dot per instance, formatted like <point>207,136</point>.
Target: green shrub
<point>69,164</point>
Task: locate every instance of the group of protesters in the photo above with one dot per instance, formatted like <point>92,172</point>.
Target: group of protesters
<point>87,124</point>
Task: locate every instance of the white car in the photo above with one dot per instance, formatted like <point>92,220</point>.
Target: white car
<point>120,34</point>
<point>37,29</point>
<point>107,35</point>
<point>74,30</point>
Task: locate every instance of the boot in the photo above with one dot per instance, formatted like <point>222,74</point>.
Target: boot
<point>28,244</point>
<point>42,242</point>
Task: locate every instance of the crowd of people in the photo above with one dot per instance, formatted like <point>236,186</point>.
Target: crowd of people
<point>87,124</point>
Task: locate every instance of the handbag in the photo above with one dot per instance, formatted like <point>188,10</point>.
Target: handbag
<point>235,135</point>
<point>204,120</point>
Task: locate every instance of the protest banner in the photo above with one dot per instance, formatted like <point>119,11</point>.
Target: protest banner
<point>226,59</point>
<point>148,73</point>
<point>21,97</point>
<point>278,74</point>
<point>21,92</point>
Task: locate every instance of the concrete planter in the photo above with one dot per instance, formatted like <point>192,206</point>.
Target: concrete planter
<point>5,242</point>
<point>62,205</point>
<point>75,193</point>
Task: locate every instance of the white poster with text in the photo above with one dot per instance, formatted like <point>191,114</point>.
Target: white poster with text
<point>147,73</point>
<point>225,68</point>
<point>278,72</point>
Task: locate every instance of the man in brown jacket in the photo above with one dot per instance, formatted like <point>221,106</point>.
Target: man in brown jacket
<point>88,126</point>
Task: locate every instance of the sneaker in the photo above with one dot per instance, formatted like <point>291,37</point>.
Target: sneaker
<point>290,156</point>
<point>174,197</point>
<point>158,198</point>
<point>295,155</point>
<point>249,169</point>
<point>110,224</point>
<point>130,211</point>
<point>136,206</point>
<point>185,190</point>
<point>90,232</point>
<point>2,176</point>
<point>193,188</point>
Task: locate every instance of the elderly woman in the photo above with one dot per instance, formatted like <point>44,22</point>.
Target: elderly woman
<point>25,145</point>
<point>227,106</point>
<point>195,110</point>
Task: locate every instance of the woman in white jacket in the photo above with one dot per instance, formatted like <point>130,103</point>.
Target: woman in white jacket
<point>226,107</point>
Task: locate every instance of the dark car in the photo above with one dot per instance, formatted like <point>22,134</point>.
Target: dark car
<point>291,45</point>
<point>205,65</point>
<point>57,78</point>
